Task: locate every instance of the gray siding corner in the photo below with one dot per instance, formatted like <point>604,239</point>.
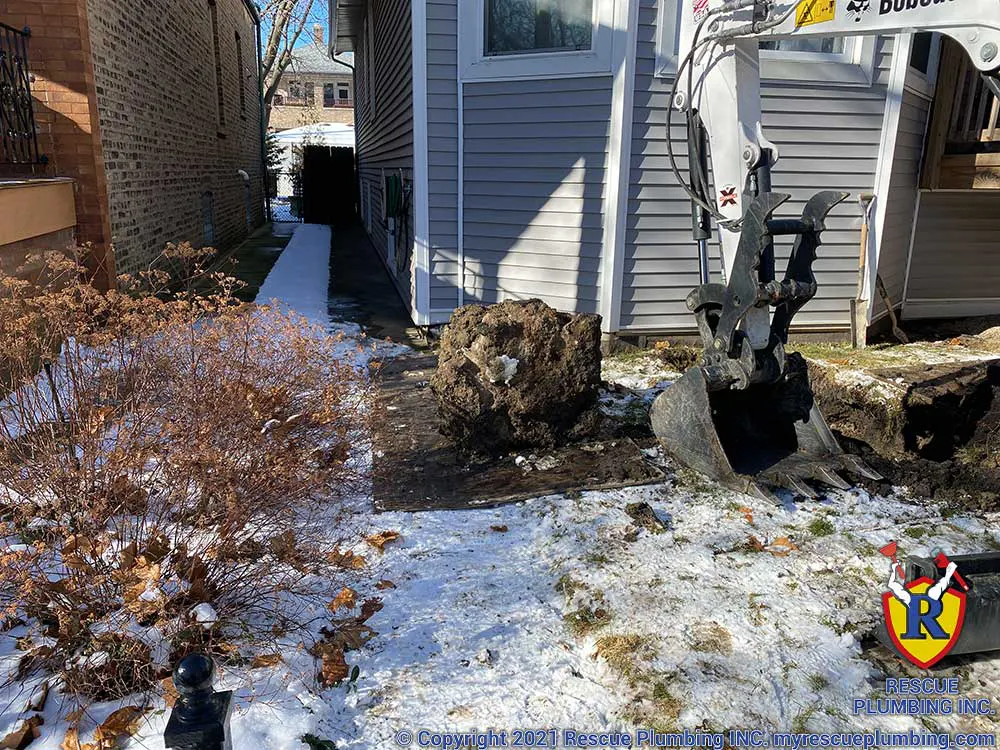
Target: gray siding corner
<point>901,199</point>
<point>384,124</point>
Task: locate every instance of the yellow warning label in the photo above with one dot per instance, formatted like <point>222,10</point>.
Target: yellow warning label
<point>809,12</point>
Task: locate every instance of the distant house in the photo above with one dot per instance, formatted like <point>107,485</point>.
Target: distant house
<point>531,137</point>
<point>314,88</point>
<point>142,126</point>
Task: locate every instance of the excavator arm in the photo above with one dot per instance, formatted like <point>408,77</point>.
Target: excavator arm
<point>746,415</point>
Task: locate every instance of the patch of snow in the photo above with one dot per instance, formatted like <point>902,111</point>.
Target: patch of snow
<point>205,615</point>
<point>300,279</point>
<point>508,368</point>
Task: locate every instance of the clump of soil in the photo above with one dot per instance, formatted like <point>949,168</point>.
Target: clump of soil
<point>932,428</point>
<point>517,375</point>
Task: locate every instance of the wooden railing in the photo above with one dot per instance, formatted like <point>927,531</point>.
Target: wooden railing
<point>963,140</point>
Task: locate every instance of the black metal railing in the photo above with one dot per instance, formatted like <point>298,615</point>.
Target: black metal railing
<point>18,134</point>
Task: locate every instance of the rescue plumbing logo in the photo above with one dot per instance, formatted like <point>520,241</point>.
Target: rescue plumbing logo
<point>924,617</point>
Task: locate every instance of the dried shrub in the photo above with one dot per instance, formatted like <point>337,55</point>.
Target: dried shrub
<point>164,447</point>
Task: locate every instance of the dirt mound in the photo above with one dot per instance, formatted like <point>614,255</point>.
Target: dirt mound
<point>517,375</point>
<point>932,428</point>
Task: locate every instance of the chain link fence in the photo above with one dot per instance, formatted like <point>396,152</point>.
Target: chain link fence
<point>286,195</point>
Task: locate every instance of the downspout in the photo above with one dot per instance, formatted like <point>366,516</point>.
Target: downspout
<point>461,155</point>
<point>255,15</point>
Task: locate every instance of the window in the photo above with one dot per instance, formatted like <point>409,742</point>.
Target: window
<point>300,94</point>
<point>239,69</point>
<point>836,61</point>
<point>925,52</point>
<point>344,93</point>
<point>220,99</point>
<point>518,26</point>
<point>329,95</point>
<point>817,45</point>
<point>515,39</point>
<point>920,51</point>
<point>208,218</point>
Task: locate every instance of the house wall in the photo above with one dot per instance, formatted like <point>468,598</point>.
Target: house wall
<point>442,147</point>
<point>174,125</point>
<point>286,116</point>
<point>535,166</point>
<point>384,123</point>
<point>901,199</point>
<point>534,190</point>
<point>535,160</point>
<point>65,101</point>
<point>955,265</point>
<point>828,137</point>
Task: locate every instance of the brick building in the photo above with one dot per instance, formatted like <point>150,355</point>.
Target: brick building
<point>154,111</point>
<point>314,88</point>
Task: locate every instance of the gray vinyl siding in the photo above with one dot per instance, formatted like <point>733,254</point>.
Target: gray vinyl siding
<point>442,147</point>
<point>384,132</point>
<point>901,199</point>
<point>828,137</point>
<point>535,172</point>
<point>956,255</point>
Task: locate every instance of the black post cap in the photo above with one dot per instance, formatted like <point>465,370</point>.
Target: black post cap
<point>200,718</point>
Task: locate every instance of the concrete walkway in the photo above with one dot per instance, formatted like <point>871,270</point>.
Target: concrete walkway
<point>301,277</point>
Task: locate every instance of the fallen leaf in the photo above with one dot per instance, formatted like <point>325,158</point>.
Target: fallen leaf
<point>379,540</point>
<point>782,547</point>
<point>37,700</point>
<point>120,724</point>
<point>755,544</point>
<point>347,560</point>
<point>346,599</point>
<point>499,528</point>
<point>170,694</point>
<point>333,667</point>
<point>370,607</point>
<point>73,717</point>
<point>24,733</point>
<point>747,514</point>
<point>383,585</point>
<point>347,635</point>
<point>72,741</point>
<point>265,660</point>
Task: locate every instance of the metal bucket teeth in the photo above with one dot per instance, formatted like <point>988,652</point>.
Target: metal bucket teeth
<point>797,486</point>
<point>859,467</point>
<point>829,477</point>
<point>751,441</point>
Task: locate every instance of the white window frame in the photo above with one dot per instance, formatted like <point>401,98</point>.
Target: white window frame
<point>855,66</point>
<point>476,65</point>
<point>923,83</point>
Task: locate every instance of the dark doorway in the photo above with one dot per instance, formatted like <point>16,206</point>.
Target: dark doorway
<point>329,186</point>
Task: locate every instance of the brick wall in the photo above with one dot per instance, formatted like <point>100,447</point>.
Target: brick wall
<point>284,117</point>
<point>175,128</point>
<point>65,112</point>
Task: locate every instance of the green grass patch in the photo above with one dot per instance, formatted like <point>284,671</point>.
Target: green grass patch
<point>821,527</point>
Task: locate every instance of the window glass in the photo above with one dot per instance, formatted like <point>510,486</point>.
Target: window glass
<point>343,92</point>
<point>328,95</point>
<point>920,51</point>
<point>520,26</point>
<point>827,45</point>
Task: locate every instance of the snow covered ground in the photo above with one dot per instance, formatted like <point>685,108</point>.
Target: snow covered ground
<point>560,612</point>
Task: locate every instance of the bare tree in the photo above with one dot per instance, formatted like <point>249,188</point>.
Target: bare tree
<point>283,22</point>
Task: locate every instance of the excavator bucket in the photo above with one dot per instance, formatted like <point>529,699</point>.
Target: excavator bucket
<point>746,417</point>
<point>753,440</point>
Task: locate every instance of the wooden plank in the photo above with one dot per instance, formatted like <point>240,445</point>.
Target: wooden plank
<point>970,172</point>
<point>943,108</point>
